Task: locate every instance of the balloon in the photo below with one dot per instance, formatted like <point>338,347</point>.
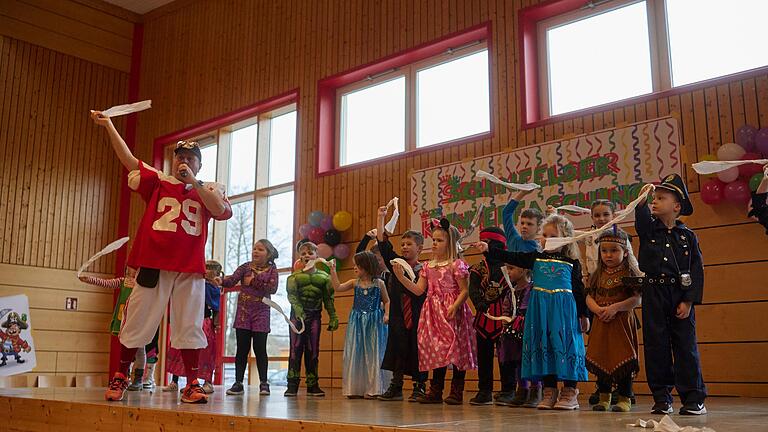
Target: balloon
<point>712,192</point>
<point>316,235</point>
<point>761,141</point>
<point>737,192</point>
<point>728,175</point>
<point>754,182</point>
<point>747,171</point>
<point>332,237</point>
<point>341,251</point>
<point>315,218</point>
<point>342,221</point>
<point>304,230</point>
<point>745,137</point>
<point>324,251</point>
<point>730,152</point>
<point>327,222</point>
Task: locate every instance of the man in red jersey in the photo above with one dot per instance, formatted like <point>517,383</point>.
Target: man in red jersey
<point>169,251</point>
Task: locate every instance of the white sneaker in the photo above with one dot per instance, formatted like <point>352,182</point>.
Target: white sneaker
<point>172,387</point>
<point>207,388</point>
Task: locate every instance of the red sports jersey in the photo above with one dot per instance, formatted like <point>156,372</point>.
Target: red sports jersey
<point>174,228</point>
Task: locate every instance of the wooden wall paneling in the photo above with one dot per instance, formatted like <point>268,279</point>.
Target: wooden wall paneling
<point>713,119</point>
<point>724,113</point>
<point>752,117</point>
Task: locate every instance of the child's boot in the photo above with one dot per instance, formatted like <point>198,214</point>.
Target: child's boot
<point>548,399</point>
<point>434,395</point>
<point>521,395</point>
<point>456,397</point>
<point>136,384</point>
<point>419,392</point>
<point>535,396</point>
<point>623,405</point>
<point>603,402</point>
<point>568,399</point>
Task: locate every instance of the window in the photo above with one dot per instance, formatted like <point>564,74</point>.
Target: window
<point>433,94</point>
<point>255,159</point>
<point>451,100</point>
<point>578,54</point>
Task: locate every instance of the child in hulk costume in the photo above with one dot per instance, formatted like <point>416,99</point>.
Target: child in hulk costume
<point>308,291</point>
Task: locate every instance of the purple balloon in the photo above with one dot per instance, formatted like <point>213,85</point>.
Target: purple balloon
<point>341,251</point>
<point>761,141</point>
<point>327,222</point>
<point>745,137</point>
<point>304,230</point>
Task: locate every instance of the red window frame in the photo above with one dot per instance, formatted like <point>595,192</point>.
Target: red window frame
<point>326,159</point>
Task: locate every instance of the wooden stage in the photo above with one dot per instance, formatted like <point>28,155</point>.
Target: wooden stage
<point>79,409</point>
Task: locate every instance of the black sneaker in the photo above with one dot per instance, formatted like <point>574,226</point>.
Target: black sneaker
<point>236,389</point>
<point>482,398</point>
<point>693,408</point>
<point>292,390</point>
<point>393,393</point>
<point>662,407</point>
<point>614,397</point>
<point>315,391</point>
<point>419,392</point>
<point>505,399</point>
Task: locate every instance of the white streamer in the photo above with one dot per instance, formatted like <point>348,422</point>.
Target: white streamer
<point>287,319</point>
<point>554,243</point>
<point>115,245</point>
<point>407,267</point>
<point>574,208</point>
<point>516,186</point>
<point>712,167</point>
<point>312,263</point>
<point>505,272</point>
<point>506,319</point>
<point>120,110</point>
<point>666,424</point>
<point>390,226</point>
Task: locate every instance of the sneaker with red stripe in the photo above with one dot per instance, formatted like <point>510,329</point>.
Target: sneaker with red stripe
<point>193,393</point>
<point>116,388</point>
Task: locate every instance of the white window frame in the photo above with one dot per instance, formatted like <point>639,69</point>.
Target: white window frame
<point>661,64</point>
<point>410,72</point>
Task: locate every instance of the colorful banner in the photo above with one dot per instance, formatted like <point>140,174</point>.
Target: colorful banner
<point>612,164</point>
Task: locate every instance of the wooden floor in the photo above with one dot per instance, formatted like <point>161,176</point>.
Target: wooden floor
<point>85,409</point>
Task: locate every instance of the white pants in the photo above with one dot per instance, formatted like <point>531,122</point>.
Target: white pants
<point>145,308</point>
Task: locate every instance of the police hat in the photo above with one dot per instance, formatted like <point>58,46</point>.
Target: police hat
<point>674,183</point>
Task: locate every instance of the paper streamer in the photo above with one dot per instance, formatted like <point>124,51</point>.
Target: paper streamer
<point>505,272</point>
<point>666,424</point>
<point>287,319</point>
<point>516,186</point>
<point>120,110</point>
<point>506,319</point>
<point>312,263</point>
<point>407,267</point>
<point>574,209</point>
<point>115,245</point>
<point>558,242</point>
<point>472,225</point>
<point>712,167</point>
<point>390,226</point>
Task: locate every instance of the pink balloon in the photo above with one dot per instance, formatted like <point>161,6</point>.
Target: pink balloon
<point>304,230</point>
<point>712,192</point>
<point>761,141</point>
<point>747,171</point>
<point>728,175</point>
<point>324,251</point>
<point>737,192</point>
<point>341,251</point>
<point>316,235</point>
<point>730,152</point>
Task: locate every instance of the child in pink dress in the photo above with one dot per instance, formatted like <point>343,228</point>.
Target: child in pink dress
<point>445,333</point>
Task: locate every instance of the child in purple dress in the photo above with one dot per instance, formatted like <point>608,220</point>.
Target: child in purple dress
<point>258,279</point>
